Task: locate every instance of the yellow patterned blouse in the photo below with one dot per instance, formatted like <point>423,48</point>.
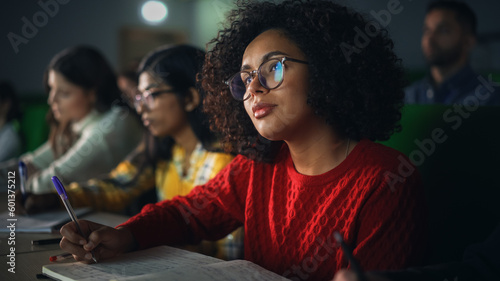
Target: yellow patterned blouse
<point>203,165</point>
<point>111,195</point>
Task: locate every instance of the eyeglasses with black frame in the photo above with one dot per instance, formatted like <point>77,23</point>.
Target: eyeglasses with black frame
<point>270,73</point>
<point>148,98</point>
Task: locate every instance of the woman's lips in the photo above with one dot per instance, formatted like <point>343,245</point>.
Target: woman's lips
<point>261,110</point>
<point>146,122</point>
<point>56,112</point>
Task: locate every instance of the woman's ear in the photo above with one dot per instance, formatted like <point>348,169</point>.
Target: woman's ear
<point>192,100</point>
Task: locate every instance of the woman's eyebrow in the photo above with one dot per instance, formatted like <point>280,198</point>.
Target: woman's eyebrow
<point>264,58</point>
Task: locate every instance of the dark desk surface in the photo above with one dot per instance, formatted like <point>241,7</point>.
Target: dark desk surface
<point>29,259</point>
<point>28,265</point>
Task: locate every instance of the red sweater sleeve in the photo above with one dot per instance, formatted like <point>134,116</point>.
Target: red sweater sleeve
<point>208,212</point>
<point>392,220</point>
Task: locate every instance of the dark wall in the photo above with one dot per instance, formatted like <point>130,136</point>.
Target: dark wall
<point>78,22</point>
<point>97,22</point>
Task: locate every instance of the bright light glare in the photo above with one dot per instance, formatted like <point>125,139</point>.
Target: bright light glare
<point>154,11</point>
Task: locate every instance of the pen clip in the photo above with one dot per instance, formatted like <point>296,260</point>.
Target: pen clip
<point>59,187</point>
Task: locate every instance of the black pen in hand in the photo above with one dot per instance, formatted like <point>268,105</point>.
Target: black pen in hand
<point>350,258</point>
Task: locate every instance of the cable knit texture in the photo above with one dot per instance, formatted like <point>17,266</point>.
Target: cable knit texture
<point>290,218</point>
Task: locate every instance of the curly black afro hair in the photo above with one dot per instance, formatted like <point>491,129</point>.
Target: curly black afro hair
<point>356,81</point>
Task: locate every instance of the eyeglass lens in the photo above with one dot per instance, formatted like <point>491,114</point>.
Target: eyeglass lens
<point>270,75</point>
<point>140,100</point>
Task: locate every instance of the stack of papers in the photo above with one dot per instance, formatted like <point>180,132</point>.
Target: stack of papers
<point>40,223</point>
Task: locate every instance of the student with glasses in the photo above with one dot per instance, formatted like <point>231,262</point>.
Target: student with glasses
<point>177,153</point>
<point>303,119</point>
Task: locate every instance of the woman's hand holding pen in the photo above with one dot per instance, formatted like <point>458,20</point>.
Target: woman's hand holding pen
<point>347,275</point>
<point>106,241</point>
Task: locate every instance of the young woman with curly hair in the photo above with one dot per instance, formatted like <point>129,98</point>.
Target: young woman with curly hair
<point>303,120</point>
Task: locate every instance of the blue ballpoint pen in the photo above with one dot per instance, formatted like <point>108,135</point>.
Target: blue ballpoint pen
<point>23,175</point>
<point>64,197</point>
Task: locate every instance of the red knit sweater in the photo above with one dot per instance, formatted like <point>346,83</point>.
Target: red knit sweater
<point>289,218</point>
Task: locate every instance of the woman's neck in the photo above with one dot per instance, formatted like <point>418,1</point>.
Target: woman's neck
<point>319,151</point>
<point>187,140</point>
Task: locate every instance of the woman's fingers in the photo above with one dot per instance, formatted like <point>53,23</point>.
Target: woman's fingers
<point>74,243</point>
<point>71,234</point>
<point>102,240</point>
<point>345,275</point>
<point>75,249</point>
<point>106,242</point>
<point>96,237</point>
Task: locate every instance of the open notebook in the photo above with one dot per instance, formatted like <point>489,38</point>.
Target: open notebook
<point>161,263</point>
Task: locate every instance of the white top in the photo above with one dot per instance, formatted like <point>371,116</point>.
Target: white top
<point>104,140</point>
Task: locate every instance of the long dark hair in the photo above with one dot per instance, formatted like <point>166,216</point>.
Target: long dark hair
<point>87,68</point>
<point>178,66</point>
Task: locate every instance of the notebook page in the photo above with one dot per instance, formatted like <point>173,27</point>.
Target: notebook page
<point>237,270</point>
<point>43,222</point>
<point>131,264</point>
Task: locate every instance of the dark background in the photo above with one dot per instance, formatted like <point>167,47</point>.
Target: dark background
<point>98,23</point>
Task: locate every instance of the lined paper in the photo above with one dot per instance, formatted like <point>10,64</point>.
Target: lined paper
<point>162,263</point>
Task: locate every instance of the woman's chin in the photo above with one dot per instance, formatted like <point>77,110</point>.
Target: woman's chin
<point>57,115</point>
<point>156,133</point>
<point>270,134</point>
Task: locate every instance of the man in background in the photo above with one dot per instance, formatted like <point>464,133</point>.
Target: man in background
<point>449,36</point>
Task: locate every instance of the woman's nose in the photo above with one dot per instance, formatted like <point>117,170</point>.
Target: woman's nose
<point>255,87</point>
<point>51,98</point>
<point>141,107</point>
